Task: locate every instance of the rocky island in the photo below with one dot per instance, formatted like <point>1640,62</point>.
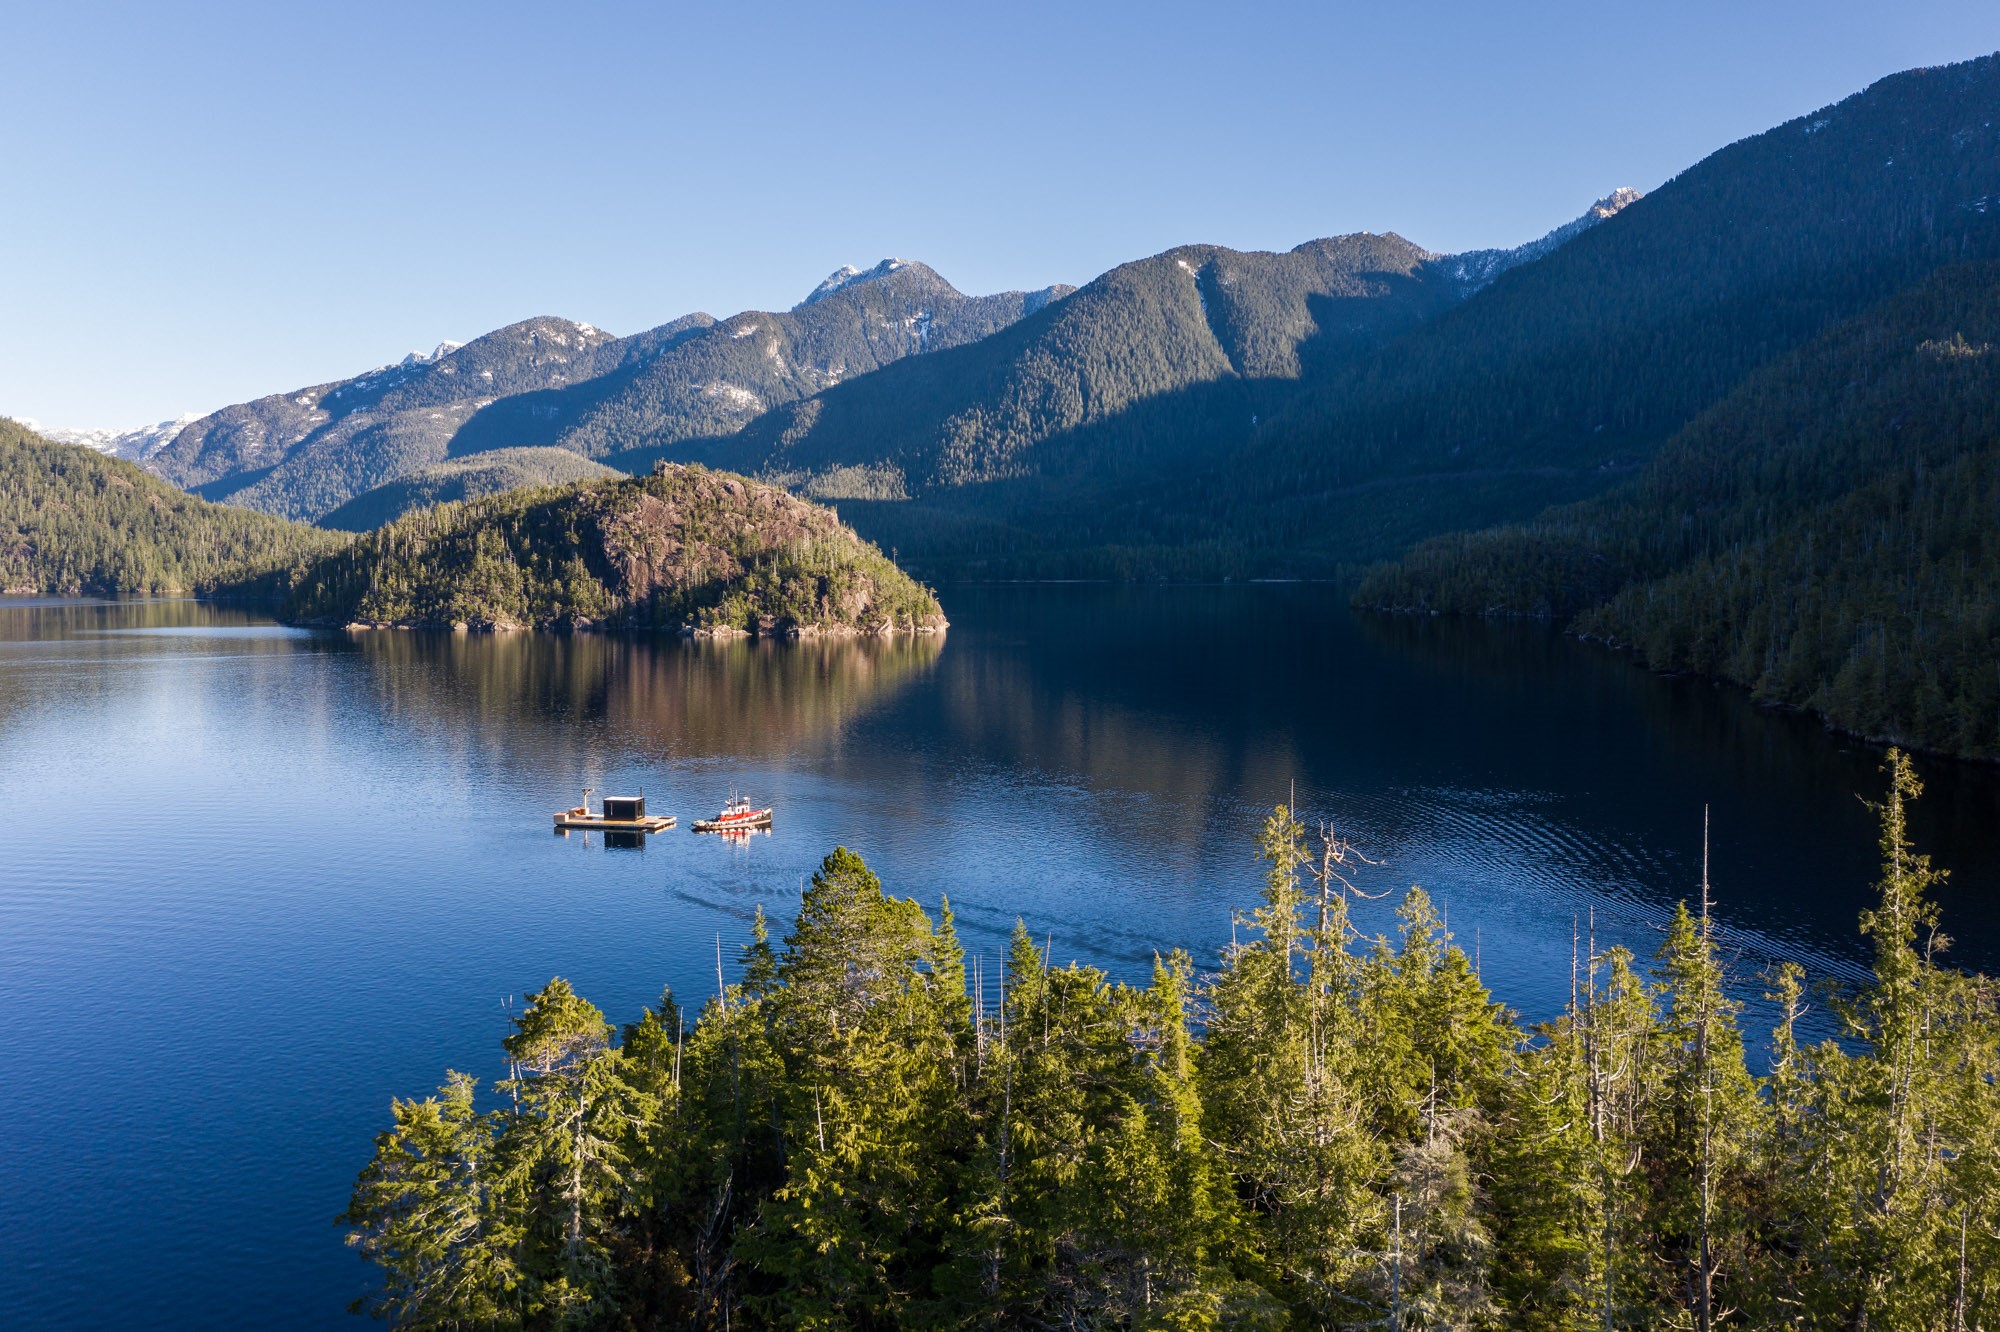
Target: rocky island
<point>701,552</point>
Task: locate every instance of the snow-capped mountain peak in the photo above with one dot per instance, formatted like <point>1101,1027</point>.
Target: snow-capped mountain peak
<point>1477,268</point>
<point>1615,202</point>
<point>438,353</point>
<point>137,445</point>
<point>847,275</point>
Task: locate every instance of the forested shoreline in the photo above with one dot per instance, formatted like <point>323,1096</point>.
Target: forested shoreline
<point>1823,537</point>
<point>74,522</point>
<point>684,549</point>
<point>1323,1132</point>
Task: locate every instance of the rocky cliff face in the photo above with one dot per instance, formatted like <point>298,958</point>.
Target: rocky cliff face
<point>690,528</point>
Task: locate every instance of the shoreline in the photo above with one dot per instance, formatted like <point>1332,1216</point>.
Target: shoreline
<point>718,633</point>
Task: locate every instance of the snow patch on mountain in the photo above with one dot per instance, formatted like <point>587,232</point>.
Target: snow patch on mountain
<point>386,376</point>
<point>742,399</point>
<point>1046,296</point>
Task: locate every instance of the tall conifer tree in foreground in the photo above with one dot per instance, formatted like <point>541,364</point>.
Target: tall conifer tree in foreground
<point>567,1153</point>
<point>868,1011</point>
<point>1278,1067</point>
<point>1883,1141</point>
<point>1703,1127</point>
<point>426,1211</point>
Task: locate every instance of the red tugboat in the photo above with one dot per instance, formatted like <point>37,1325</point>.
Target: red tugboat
<point>736,816</point>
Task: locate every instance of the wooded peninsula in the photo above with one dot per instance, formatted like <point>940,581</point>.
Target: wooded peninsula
<point>682,549</point>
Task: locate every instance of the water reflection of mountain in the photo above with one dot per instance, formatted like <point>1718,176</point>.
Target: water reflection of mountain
<point>1544,676</point>
<point>44,619</point>
<point>1141,702</point>
<point>1482,758</point>
<point>62,648</point>
<point>560,694</point>
<point>1803,783</point>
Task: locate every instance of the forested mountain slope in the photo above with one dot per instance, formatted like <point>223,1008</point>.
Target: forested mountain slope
<point>1828,535</point>
<point>554,382</point>
<point>470,477</point>
<point>684,548</point>
<point>1191,316</point>
<point>713,383</point>
<point>1571,370</point>
<point>303,453</point>
<point>75,521</point>
<point>1555,381</point>
<point>1151,368</point>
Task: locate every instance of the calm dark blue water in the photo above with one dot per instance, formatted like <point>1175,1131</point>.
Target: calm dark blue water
<point>254,881</point>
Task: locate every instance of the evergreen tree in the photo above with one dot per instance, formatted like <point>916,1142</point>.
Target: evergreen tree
<point>566,1149</point>
<point>430,1211</point>
<point>870,1042</point>
<point>1703,1128</point>
<point>1548,1183</point>
<point>1279,1095</point>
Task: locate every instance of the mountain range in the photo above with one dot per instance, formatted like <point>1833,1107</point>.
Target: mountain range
<point>1566,374</point>
<point>132,445</point>
<point>559,383</point>
<point>304,453</point>
<point>686,385</point>
<point>1555,381</point>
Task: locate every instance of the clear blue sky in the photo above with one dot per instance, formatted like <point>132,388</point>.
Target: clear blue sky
<point>209,202</point>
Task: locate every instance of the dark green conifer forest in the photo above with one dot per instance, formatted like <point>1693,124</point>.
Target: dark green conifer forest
<point>684,548</point>
<point>73,521</point>
<point>1824,536</point>
<point>1323,1132</point>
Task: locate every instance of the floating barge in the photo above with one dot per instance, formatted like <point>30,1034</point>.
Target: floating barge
<point>736,816</point>
<point>622,814</point>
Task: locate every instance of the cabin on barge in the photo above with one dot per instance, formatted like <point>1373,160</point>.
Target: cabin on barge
<point>625,814</point>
